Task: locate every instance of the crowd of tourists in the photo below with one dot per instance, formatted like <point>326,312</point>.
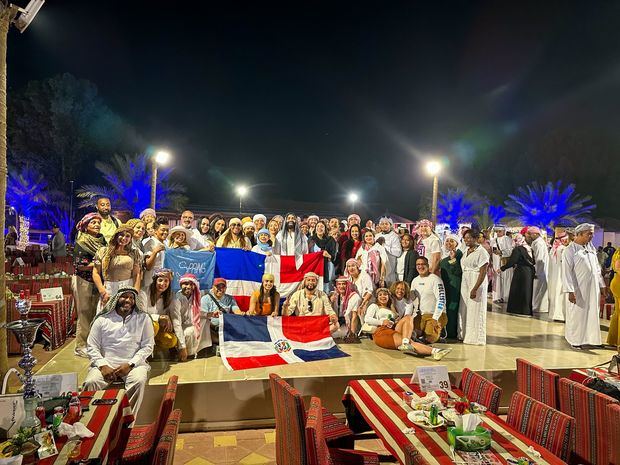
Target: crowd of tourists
<point>407,290</point>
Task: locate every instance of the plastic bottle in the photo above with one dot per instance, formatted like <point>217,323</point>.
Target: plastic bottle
<point>75,409</point>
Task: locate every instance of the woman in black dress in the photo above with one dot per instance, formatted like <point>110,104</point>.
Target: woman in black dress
<point>522,285</point>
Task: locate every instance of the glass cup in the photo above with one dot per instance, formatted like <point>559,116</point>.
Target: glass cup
<point>75,450</point>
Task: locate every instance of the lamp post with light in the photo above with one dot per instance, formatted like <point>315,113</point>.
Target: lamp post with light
<point>241,192</point>
<point>353,198</point>
<point>433,167</point>
<point>160,158</point>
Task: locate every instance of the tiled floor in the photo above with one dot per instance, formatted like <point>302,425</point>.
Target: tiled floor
<point>247,447</point>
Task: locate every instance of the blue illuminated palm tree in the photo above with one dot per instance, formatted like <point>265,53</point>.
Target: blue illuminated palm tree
<point>128,185</point>
<point>27,191</point>
<point>549,205</point>
<point>489,216</point>
<point>455,206</point>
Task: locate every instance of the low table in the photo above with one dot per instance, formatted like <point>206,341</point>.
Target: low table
<point>110,425</point>
<point>377,405</point>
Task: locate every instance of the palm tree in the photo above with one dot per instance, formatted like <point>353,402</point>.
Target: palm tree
<point>489,216</point>
<point>549,205</point>
<point>128,180</point>
<point>27,192</point>
<point>456,206</point>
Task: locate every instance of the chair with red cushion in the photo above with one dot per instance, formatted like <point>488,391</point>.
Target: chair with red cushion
<point>164,452</point>
<point>480,390</point>
<point>538,383</point>
<point>589,409</point>
<point>319,453</point>
<point>544,425</point>
<point>613,428</point>
<point>142,439</point>
<point>290,414</point>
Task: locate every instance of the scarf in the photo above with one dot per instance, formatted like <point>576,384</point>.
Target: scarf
<point>349,291</point>
<point>265,247</point>
<point>281,244</point>
<point>111,305</point>
<point>91,243</point>
<point>194,302</point>
<point>520,241</point>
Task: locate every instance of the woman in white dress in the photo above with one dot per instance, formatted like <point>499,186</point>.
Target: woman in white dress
<point>373,259</point>
<point>472,321</point>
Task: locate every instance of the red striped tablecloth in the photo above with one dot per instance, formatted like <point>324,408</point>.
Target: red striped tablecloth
<point>580,375</point>
<point>378,405</point>
<point>109,423</point>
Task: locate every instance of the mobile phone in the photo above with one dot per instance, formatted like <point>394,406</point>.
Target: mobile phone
<point>104,402</point>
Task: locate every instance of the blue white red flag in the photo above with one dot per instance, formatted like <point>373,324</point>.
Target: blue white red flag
<point>244,270</point>
<point>264,341</point>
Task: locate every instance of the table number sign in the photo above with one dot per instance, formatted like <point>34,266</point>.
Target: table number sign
<point>433,378</point>
<point>51,293</point>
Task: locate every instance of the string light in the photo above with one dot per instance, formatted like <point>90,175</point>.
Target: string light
<point>24,233</point>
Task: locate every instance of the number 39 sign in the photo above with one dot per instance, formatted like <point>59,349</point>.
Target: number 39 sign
<point>433,378</point>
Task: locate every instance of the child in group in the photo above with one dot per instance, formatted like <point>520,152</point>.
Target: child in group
<point>263,245</point>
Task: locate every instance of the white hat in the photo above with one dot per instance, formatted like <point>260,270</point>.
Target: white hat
<point>583,227</point>
<point>259,216</point>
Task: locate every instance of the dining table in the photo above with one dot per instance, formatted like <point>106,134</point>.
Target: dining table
<point>377,404</point>
<point>580,375</point>
<point>110,425</point>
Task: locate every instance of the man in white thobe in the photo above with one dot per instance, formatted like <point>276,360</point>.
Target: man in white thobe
<point>557,299</point>
<point>502,249</point>
<point>583,282</point>
<point>193,235</point>
<point>392,247</point>
<point>120,340</point>
<point>290,240</point>
<point>189,301</point>
<point>540,297</point>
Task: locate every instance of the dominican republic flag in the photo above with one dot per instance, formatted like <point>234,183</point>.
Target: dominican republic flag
<point>265,341</point>
<point>244,271</point>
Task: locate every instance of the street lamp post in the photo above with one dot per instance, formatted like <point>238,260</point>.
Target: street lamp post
<point>241,192</point>
<point>353,198</point>
<point>160,158</point>
<point>433,168</point>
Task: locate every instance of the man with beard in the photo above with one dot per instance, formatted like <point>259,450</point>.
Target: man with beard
<point>290,240</point>
<point>583,282</point>
<point>109,222</point>
<point>310,301</point>
<point>392,247</point>
<point>120,340</point>
<point>212,304</point>
<point>189,300</point>
<point>540,298</point>
<point>193,235</point>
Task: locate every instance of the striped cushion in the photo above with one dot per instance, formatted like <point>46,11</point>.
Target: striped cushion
<point>544,425</point>
<point>290,412</point>
<point>613,429</point>
<point>318,451</point>
<point>480,390</point>
<point>142,439</point>
<point>164,452</point>
<point>589,409</point>
<point>537,382</point>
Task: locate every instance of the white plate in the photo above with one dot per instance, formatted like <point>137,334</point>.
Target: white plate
<point>419,418</point>
<point>450,415</point>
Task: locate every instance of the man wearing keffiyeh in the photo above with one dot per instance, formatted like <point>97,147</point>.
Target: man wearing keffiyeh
<point>120,340</point>
<point>189,299</point>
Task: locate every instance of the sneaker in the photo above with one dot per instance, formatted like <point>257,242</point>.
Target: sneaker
<point>442,353</point>
<point>407,348</point>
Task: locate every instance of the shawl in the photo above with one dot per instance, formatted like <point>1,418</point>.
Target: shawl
<point>281,244</point>
<point>111,305</point>
<point>194,302</point>
<point>265,247</point>
<point>349,291</point>
<point>90,243</point>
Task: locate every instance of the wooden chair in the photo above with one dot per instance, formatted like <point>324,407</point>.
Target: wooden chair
<point>543,424</point>
<point>164,452</point>
<point>290,415</point>
<point>319,453</point>
<point>613,428</point>
<point>143,438</point>
<point>480,390</point>
<point>589,409</point>
<point>538,383</point>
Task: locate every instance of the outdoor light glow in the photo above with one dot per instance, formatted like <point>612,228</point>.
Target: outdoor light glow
<point>242,191</point>
<point>433,167</point>
<point>353,197</point>
<point>162,157</point>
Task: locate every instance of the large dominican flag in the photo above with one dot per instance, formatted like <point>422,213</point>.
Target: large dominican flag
<point>264,341</point>
<point>244,271</point>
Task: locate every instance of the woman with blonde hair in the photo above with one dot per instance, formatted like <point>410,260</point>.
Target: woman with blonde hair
<point>233,237</point>
<point>117,265</point>
<point>265,301</point>
<point>177,238</point>
<point>138,227</point>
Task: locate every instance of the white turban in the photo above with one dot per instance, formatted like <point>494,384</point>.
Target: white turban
<point>388,219</point>
<point>248,224</point>
<point>583,227</point>
<point>259,217</point>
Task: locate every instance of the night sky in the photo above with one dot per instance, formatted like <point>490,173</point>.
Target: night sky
<point>309,100</point>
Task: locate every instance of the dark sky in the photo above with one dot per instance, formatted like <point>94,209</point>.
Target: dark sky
<point>313,99</point>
